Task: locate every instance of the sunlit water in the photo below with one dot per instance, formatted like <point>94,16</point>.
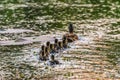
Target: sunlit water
<point>96,53</point>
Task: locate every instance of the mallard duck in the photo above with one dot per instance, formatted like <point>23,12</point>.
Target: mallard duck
<point>71,36</point>
<point>53,61</point>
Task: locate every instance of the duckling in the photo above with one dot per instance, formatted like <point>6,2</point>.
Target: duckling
<point>60,43</point>
<point>43,47</point>
<point>65,43</point>
<point>48,45</point>
<point>47,52</point>
<point>42,57</point>
<point>71,36</point>
<point>52,48</point>
<point>56,45</point>
<point>53,61</point>
<point>42,53</point>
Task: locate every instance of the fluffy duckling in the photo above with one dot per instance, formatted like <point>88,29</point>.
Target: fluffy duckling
<point>42,57</point>
<point>42,53</point>
<point>71,36</point>
<point>56,45</point>
<point>47,52</point>
<point>60,43</point>
<point>53,61</point>
<point>65,43</point>
<point>52,48</point>
<point>48,45</point>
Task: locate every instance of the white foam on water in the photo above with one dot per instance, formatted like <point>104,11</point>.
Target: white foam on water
<point>82,40</point>
<point>33,56</point>
<point>64,64</point>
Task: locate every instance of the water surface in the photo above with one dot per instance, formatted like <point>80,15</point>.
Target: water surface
<point>96,54</point>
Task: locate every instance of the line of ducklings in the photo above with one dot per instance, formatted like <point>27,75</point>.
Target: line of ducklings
<point>51,49</point>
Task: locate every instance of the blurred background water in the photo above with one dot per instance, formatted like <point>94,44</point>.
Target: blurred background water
<point>47,14</point>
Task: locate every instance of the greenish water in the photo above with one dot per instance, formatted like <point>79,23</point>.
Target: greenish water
<point>55,13</point>
<point>88,17</point>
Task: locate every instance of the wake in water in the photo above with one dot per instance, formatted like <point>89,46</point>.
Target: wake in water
<point>34,57</point>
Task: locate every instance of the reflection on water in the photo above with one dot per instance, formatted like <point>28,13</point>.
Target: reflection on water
<point>96,53</point>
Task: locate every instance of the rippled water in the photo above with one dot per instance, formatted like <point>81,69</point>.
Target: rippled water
<point>96,54</point>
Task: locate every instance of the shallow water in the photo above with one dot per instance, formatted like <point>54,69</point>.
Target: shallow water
<point>96,53</point>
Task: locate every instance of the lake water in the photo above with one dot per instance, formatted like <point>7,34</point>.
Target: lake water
<point>96,55</point>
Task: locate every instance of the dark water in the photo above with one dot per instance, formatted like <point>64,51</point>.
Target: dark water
<point>90,17</point>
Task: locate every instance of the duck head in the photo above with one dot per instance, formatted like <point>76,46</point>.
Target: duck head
<point>56,40</point>
<point>56,43</point>
<point>48,43</point>
<point>43,47</point>
<point>70,28</point>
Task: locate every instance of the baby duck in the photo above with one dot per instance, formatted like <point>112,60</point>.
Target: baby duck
<point>65,42</point>
<point>42,57</point>
<point>52,48</point>
<point>53,61</point>
<point>60,43</point>
<point>42,53</point>
<point>47,53</point>
<point>56,45</point>
<point>48,45</point>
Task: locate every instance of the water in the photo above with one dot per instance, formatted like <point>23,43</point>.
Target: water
<point>96,54</point>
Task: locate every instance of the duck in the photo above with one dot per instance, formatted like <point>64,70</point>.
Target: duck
<point>52,49</point>
<point>47,52</point>
<point>42,57</point>
<point>48,45</point>
<point>53,61</point>
<point>56,45</point>
<point>60,43</point>
<point>65,43</point>
<point>42,54</point>
<point>71,36</point>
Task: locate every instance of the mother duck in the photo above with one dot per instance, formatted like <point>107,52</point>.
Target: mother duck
<point>71,36</point>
